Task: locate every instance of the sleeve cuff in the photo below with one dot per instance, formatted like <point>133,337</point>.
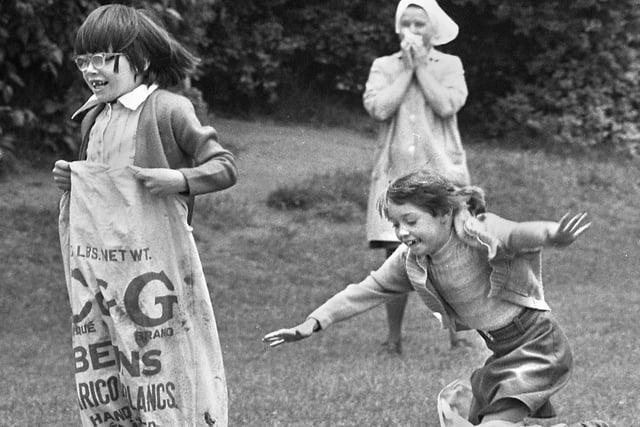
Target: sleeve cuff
<point>186,192</point>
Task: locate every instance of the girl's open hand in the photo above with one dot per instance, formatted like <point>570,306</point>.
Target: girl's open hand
<point>62,175</point>
<point>296,333</point>
<point>161,181</point>
<point>569,228</point>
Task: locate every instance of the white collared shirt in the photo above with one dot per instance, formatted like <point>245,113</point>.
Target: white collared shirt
<point>113,135</point>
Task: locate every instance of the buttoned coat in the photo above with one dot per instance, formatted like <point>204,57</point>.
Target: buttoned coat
<point>416,133</point>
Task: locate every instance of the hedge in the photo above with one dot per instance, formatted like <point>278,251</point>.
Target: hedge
<point>565,71</point>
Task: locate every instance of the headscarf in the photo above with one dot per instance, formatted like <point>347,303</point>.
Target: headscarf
<point>446,28</point>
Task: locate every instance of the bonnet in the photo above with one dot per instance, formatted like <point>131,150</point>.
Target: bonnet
<point>446,29</point>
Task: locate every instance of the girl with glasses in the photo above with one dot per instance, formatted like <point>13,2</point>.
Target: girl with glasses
<point>146,348</point>
<point>98,60</point>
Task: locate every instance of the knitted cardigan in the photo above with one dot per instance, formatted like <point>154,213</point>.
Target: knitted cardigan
<point>169,135</point>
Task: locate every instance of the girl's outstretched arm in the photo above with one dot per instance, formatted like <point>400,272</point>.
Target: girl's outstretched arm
<point>518,236</point>
<point>303,330</point>
<point>542,233</point>
<point>389,281</point>
<point>568,230</point>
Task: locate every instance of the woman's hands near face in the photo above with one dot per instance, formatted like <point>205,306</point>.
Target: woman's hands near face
<point>407,58</point>
<point>420,55</point>
<point>410,39</point>
<point>415,48</point>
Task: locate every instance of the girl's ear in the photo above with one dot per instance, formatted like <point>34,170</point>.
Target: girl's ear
<point>145,67</point>
<point>446,217</point>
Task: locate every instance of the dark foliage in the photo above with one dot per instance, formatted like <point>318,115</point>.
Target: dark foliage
<point>566,72</point>
<point>40,86</point>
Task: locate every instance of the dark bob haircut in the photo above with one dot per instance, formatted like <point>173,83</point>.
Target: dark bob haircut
<point>144,41</point>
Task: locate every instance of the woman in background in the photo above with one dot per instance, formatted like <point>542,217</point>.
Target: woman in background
<point>415,94</point>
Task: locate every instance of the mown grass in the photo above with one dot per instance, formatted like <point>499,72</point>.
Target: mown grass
<point>268,268</point>
<point>337,196</point>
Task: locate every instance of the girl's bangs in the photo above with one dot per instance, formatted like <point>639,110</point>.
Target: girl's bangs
<point>104,35</point>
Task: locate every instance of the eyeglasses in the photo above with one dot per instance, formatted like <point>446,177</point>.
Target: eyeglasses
<point>98,60</point>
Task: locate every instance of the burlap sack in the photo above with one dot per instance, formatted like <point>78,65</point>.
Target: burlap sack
<point>145,341</point>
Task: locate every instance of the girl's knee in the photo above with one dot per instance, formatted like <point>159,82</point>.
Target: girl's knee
<point>508,413</point>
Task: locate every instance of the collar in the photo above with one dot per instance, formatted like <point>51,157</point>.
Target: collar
<point>446,247</point>
<point>473,230</point>
<point>130,100</point>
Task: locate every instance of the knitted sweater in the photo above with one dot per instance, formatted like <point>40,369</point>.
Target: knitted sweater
<point>512,249</point>
<point>169,135</point>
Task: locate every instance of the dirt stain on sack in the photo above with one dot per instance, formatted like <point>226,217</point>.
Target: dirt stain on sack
<point>142,337</point>
<point>207,419</point>
<point>188,280</point>
<point>120,311</point>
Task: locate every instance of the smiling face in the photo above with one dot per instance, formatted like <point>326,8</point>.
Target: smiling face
<point>415,20</point>
<point>107,84</point>
<point>421,231</point>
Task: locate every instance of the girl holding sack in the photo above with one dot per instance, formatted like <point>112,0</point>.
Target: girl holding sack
<point>145,341</point>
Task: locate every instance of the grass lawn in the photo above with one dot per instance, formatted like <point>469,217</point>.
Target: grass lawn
<point>268,269</point>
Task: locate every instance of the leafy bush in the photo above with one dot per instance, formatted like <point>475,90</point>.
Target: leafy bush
<point>36,71</point>
<point>262,50</point>
<point>40,86</point>
<point>568,72</point>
